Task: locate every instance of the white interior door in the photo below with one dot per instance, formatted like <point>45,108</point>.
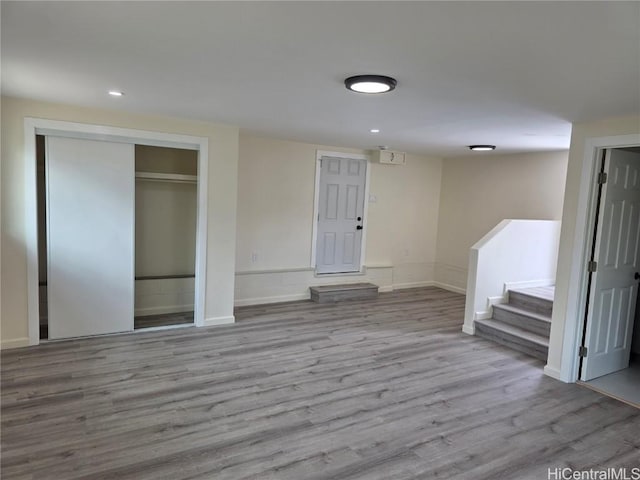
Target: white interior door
<point>614,288</point>
<point>90,236</point>
<point>340,214</point>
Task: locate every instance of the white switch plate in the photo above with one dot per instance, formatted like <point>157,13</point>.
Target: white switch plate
<point>373,198</point>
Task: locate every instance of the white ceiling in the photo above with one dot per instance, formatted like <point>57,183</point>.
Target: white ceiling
<point>513,74</point>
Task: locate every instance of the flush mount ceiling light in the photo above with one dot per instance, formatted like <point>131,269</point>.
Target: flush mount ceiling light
<point>375,130</point>
<point>116,93</point>
<point>482,148</point>
<point>370,84</point>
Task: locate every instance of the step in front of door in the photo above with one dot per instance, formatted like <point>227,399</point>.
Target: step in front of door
<point>340,293</point>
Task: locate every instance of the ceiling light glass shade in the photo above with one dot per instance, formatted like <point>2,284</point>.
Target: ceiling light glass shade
<point>482,148</point>
<point>370,83</point>
<point>115,93</point>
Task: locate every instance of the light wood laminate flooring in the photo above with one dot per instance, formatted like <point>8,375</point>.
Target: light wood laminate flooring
<point>385,389</point>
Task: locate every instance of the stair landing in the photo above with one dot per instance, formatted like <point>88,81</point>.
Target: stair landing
<point>339,293</point>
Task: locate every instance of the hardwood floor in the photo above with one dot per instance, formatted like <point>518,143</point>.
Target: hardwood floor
<point>385,389</point>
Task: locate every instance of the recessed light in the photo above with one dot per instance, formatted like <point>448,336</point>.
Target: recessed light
<point>482,148</point>
<point>370,83</point>
<point>116,93</point>
<point>375,130</point>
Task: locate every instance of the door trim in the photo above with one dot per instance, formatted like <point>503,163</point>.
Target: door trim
<point>39,126</point>
<point>581,250</point>
<point>316,210</point>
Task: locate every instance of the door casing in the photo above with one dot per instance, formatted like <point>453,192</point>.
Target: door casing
<point>58,128</point>
<point>316,202</point>
<point>581,253</point>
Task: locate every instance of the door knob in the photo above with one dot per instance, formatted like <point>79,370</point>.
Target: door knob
<point>359,227</point>
<point>637,276</point>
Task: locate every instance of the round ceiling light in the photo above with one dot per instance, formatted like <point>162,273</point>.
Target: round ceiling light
<point>482,148</point>
<point>370,83</point>
<point>116,93</point>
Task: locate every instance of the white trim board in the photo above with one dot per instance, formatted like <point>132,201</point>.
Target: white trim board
<point>39,126</point>
<point>316,206</point>
<point>213,321</point>
<point>15,343</point>
<point>580,253</point>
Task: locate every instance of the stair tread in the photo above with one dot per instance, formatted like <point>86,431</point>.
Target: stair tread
<point>515,331</point>
<point>522,311</point>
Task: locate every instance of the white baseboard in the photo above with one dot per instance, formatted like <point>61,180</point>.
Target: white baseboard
<point>385,289</point>
<point>552,372</point>
<point>528,284</point>
<point>276,299</point>
<point>451,288</point>
<point>15,343</point>
<point>483,315</point>
<point>400,286</point>
<point>468,330</point>
<point>212,321</point>
<point>142,312</point>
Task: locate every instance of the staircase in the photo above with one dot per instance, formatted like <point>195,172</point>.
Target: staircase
<point>523,324</point>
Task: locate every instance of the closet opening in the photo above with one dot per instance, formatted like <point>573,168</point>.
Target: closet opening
<point>41,194</point>
<point>166,201</point>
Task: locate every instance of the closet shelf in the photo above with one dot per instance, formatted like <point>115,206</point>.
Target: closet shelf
<point>167,177</point>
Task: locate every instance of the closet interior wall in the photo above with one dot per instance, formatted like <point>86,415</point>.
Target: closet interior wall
<point>166,214</point>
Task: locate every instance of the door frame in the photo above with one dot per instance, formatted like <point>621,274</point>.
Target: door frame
<point>581,251</point>
<point>59,128</point>
<point>316,208</point>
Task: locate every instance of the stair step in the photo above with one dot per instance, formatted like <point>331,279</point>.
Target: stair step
<point>531,302</point>
<point>525,319</point>
<point>339,293</point>
<point>513,337</point>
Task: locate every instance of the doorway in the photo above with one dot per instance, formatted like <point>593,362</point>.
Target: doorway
<point>611,328</point>
<point>39,292</point>
<point>339,227</point>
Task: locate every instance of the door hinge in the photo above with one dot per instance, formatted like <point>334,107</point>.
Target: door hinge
<point>582,351</point>
<point>592,266</point>
<point>602,178</point>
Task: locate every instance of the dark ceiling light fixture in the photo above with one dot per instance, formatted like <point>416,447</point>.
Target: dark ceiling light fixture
<point>370,83</point>
<point>482,148</point>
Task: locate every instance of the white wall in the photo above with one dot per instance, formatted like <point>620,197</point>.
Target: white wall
<point>480,191</point>
<point>223,164</point>
<point>276,180</point>
<point>562,308</point>
<point>514,254</point>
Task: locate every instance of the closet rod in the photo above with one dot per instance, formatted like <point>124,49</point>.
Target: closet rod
<point>167,177</point>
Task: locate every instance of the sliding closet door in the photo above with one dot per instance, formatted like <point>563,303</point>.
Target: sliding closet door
<point>90,220</point>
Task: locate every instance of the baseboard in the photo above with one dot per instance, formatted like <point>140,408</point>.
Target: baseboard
<point>143,312</point>
<point>14,343</point>
<point>469,330</point>
<point>552,372</point>
<point>528,284</point>
<point>210,322</point>
<point>400,286</point>
<point>451,288</point>
<point>385,289</point>
<point>483,315</point>
<point>276,299</point>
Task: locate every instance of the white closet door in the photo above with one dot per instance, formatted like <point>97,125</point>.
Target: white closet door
<point>90,234</point>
